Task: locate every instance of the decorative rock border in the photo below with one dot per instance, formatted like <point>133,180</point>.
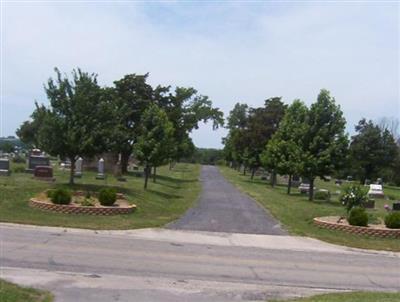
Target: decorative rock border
<point>357,230</point>
<point>72,209</point>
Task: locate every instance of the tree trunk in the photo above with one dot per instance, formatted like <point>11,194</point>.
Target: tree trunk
<point>154,174</point>
<point>146,176</point>
<point>253,171</point>
<point>72,172</point>
<point>311,192</point>
<point>273,179</point>
<point>244,170</point>
<point>124,162</point>
<point>289,184</point>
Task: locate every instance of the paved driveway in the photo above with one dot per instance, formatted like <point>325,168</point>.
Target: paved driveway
<point>223,208</point>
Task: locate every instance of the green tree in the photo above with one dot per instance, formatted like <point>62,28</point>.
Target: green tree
<point>77,120</point>
<point>262,123</point>
<point>131,96</point>
<point>7,147</point>
<point>372,150</point>
<point>155,142</point>
<point>185,109</point>
<point>28,131</point>
<point>324,143</point>
<point>283,152</point>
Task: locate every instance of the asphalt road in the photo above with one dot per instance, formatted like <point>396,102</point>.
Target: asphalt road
<point>223,208</point>
<point>170,265</point>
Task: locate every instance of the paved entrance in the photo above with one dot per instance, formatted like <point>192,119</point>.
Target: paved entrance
<point>223,208</point>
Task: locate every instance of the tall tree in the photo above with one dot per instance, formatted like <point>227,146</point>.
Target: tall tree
<point>131,96</point>
<point>77,120</point>
<point>155,142</point>
<point>372,150</point>
<point>186,108</point>
<point>262,123</point>
<point>28,131</point>
<point>324,143</point>
<point>283,152</point>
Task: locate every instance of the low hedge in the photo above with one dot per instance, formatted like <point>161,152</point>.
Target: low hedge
<point>107,196</point>
<point>60,196</point>
<point>358,217</point>
<point>392,220</point>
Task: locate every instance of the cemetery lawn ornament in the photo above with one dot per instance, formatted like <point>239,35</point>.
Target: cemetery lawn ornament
<point>78,168</point>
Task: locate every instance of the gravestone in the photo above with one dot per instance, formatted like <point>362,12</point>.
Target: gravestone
<point>296,181</point>
<point>78,168</point>
<point>44,173</point>
<point>37,160</point>
<point>367,182</point>
<point>369,204</point>
<point>349,178</point>
<point>5,167</point>
<point>100,169</point>
<point>396,206</point>
<point>375,191</point>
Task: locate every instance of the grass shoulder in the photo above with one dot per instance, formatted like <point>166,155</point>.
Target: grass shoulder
<point>10,292</point>
<point>350,297</point>
<point>296,213</point>
<point>164,201</point>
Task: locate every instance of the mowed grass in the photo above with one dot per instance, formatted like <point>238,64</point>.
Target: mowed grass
<point>10,292</point>
<point>164,201</point>
<point>296,212</point>
<point>350,297</point>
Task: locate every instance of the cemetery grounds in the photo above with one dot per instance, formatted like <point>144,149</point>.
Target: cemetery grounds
<point>164,201</point>
<point>296,212</point>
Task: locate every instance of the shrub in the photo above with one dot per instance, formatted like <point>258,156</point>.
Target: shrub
<point>107,196</point>
<point>60,196</point>
<point>322,195</point>
<point>358,216</point>
<point>353,196</point>
<point>88,202</point>
<point>19,169</point>
<point>392,220</point>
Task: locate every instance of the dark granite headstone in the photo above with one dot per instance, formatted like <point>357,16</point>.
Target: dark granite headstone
<point>396,206</point>
<point>44,173</point>
<point>349,178</point>
<point>37,160</point>
<point>369,204</point>
<point>4,166</point>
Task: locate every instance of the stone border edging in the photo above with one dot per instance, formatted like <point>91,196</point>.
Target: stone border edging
<point>357,230</point>
<point>70,209</point>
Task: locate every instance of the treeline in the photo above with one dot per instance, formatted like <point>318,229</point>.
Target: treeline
<point>84,120</point>
<point>309,142</point>
<point>206,156</point>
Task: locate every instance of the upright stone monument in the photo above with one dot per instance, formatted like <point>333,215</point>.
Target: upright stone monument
<point>78,168</point>
<point>44,173</point>
<point>37,160</point>
<point>5,167</point>
<point>100,169</point>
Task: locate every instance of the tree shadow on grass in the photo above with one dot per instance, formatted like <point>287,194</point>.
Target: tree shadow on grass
<point>164,195</point>
<point>175,180</point>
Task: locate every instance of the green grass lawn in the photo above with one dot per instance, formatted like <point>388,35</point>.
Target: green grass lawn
<point>351,297</point>
<point>13,293</point>
<point>164,201</point>
<point>296,213</point>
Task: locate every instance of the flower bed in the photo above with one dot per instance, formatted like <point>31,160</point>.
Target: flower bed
<point>77,206</point>
<point>333,223</point>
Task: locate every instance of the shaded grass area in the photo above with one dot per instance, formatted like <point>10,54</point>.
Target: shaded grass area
<point>164,201</point>
<point>10,292</point>
<point>351,297</point>
<point>296,213</point>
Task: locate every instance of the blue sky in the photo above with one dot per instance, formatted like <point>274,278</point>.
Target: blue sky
<point>230,51</point>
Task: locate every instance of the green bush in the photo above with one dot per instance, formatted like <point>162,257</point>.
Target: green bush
<point>88,202</point>
<point>60,196</point>
<point>392,220</point>
<point>107,196</point>
<point>358,216</point>
<point>322,195</point>
<point>19,169</point>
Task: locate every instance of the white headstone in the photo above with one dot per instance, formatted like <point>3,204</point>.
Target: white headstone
<point>78,167</point>
<point>100,169</point>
